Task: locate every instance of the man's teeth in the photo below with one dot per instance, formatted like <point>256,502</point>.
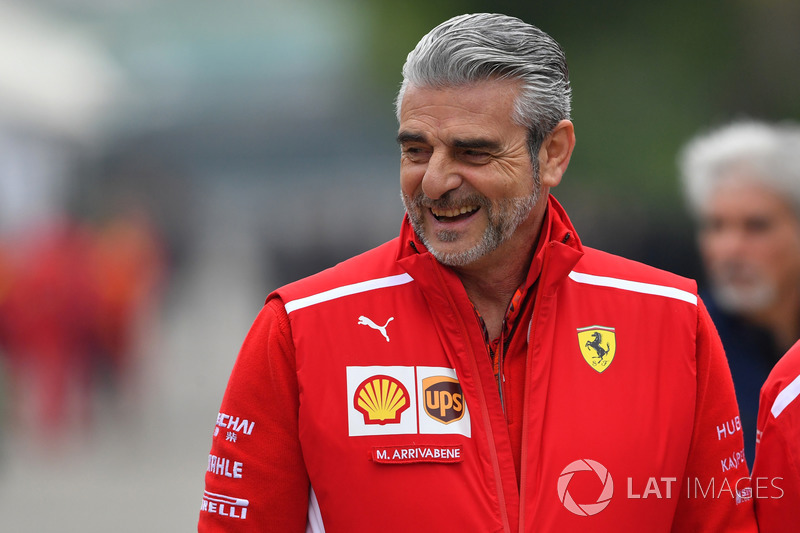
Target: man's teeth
<point>453,212</point>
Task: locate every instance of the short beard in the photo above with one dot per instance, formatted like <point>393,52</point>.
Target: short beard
<point>749,300</point>
<point>504,217</point>
<point>738,287</point>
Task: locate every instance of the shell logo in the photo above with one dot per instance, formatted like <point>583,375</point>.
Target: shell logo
<point>381,399</point>
<point>585,509</point>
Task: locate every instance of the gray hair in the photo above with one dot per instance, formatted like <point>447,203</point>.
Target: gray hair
<point>770,153</point>
<point>471,48</point>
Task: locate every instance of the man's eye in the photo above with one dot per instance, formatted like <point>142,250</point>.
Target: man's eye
<point>475,155</point>
<point>415,153</point>
<point>758,225</point>
<point>711,225</point>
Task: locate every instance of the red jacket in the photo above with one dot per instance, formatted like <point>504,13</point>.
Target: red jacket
<point>369,388</point>
<point>776,471</point>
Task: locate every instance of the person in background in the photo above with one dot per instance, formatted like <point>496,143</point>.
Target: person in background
<point>742,182</point>
<point>776,472</point>
<point>484,371</point>
<point>73,297</point>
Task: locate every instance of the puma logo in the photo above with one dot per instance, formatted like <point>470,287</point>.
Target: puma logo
<point>364,321</point>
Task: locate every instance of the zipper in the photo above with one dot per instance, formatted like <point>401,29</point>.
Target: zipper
<point>501,377</point>
<point>506,340</point>
<point>523,460</point>
<point>487,424</point>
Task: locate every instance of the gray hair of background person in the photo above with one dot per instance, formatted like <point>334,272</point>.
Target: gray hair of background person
<point>479,47</point>
<point>769,153</point>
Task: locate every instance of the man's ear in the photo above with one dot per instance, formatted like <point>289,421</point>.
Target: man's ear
<point>555,152</point>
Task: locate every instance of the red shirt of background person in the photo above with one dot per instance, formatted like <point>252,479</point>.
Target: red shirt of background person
<point>49,317</point>
<point>776,472</point>
<point>127,269</point>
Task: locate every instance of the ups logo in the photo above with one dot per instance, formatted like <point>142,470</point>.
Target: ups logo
<point>444,400</point>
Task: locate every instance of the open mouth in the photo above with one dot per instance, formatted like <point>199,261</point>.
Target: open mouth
<point>452,215</point>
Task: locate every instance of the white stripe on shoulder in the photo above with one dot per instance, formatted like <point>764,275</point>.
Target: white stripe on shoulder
<point>635,286</point>
<point>785,397</point>
<point>347,290</point>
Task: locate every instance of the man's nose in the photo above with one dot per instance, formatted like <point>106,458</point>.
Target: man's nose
<point>441,176</point>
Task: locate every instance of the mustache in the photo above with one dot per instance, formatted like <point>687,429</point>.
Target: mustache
<point>734,270</point>
<point>448,201</point>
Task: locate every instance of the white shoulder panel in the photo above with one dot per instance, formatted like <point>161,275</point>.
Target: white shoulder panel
<point>347,290</point>
<point>634,286</point>
<point>785,397</point>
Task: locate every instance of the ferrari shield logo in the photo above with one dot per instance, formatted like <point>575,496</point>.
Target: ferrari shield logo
<point>598,345</point>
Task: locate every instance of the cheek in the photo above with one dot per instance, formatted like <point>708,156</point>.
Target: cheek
<point>783,257</point>
<point>711,247</point>
<point>782,243</point>
<point>410,179</point>
<point>773,257</point>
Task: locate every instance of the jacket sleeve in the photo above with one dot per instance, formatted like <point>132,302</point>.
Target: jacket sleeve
<point>256,478</point>
<point>715,492</point>
<point>776,471</point>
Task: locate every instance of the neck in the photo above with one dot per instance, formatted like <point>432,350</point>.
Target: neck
<point>492,281</point>
<point>496,287</point>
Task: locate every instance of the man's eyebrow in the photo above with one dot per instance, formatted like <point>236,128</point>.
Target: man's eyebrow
<point>474,144</point>
<point>477,144</point>
<point>408,137</point>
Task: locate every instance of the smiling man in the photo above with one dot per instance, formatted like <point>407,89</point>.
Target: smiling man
<point>520,381</point>
<point>466,173</point>
<point>470,187</point>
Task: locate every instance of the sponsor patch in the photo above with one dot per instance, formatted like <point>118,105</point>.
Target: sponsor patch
<point>366,321</point>
<point>744,495</point>
<point>222,466</point>
<point>444,400</point>
<point>381,399</point>
<point>442,408</point>
<point>233,426</point>
<point>598,345</point>
<point>733,462</point>
<point>417,453</point>
<point>730,428</point>
<point>223,505</point>
<point>405,400</point>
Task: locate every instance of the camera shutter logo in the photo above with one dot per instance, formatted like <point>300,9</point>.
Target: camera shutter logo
<point>585,509</point>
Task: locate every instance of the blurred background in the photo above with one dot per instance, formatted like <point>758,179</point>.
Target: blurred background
<point>165,165</point>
